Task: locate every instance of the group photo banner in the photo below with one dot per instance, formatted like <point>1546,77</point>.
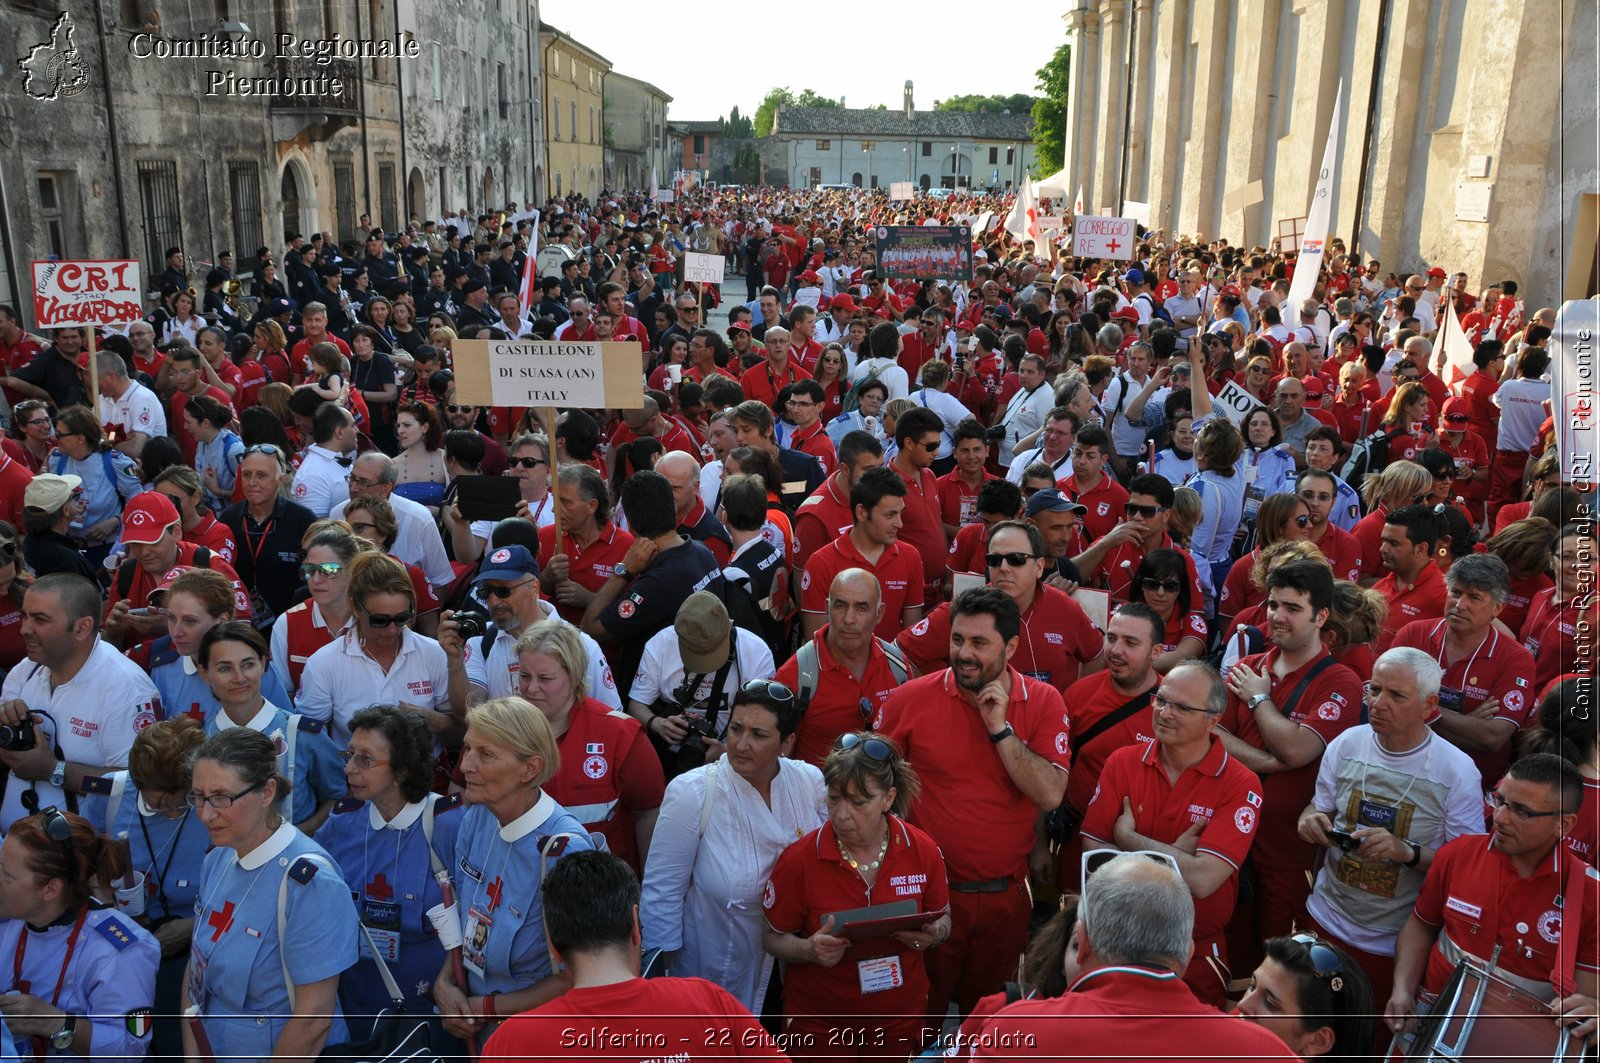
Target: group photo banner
<point>925,252</point>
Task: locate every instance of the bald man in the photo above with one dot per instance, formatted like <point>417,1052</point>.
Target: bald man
<point>694,520</point>
<point>648,420</point>
<point>850,671</point>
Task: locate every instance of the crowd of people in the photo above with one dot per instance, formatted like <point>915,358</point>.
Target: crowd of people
<point>924,667</point>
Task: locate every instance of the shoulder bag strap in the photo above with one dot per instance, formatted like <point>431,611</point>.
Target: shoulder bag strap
<point>119,789</point>
<point>1562,975</point>
<point>805,659</point>
<point>283,922</point>
<point>897,661</point>
<point>290,742</point>
<point>1110,720</point>
<point>427,836</point>
<point>1300,688</point>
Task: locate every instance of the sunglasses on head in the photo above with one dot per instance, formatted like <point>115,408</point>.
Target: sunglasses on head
<point>1324,960</point>
<point>263,448</point>
<point>874,749</point>
<point>768,688</point>
<point>385,620</point>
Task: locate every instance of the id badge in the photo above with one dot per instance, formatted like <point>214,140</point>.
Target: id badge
<point>1373,814</point>
<point>1451,699</point>
<point>382,920</point>
<point>1250,472</point>
<point>475,942</point>
<point>197,977</point>
<point>879,973</point>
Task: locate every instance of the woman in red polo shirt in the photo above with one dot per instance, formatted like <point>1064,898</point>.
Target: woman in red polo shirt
<point>857,995</point>
<point>1550,633</point>
<point>1162,582</point>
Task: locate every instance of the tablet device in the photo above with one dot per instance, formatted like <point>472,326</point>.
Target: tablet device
<point>488,497</point>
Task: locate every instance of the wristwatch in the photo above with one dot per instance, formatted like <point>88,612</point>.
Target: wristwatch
<point>1258,699</point>
<point>61,1040</point>
<point>1002,734</point>
<point>58,774</point>
<point>1416,854</point>
<point>620,571</point>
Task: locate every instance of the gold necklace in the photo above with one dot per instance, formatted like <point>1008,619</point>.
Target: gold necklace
<point>856,865</point>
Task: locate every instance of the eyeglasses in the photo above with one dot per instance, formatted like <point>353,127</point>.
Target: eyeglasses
<point>363,761</point>
<point>384,620</point>
<point>1520,811</point>
<point>359,481</point>
<point>1016,560</point>
<point>768,688</point>
<point>38,422</point>
<point>874,749</point>
<point>359,526</point>
<point>1162,703</point>
<point>329,569</point>
<point>1324,961</point>
<point>453,408</point>
<point>1143,511</point>
<point>527,463</point>
<point>194,800</point>
<point>503,592</point>
<point>1171,586</point>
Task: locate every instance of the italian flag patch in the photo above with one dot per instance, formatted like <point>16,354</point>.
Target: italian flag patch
<point>138,1022</point>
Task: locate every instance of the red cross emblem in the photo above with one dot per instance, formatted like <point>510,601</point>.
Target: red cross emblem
<point>1112,245</point>
<point>379,889</point>
<point>221,919</point>
<point>495,890</point>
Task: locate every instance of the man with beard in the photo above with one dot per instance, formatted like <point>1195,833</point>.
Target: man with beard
<point>992,747</point>
<point>461,417</point>
<point>1319,490</point>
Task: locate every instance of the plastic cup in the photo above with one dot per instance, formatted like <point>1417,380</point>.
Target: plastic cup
<point>447,921</point>
<point>131,899</point>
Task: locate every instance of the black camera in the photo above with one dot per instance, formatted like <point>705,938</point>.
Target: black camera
<point>1346,842</point>
<point>18,737</point>
<point>471,623</point>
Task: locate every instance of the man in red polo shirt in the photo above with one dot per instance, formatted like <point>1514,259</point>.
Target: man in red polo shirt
<point>1133,937</point>
<point>614,298</point>
<point>917,434</point>
<point>992,748</point>
<point>958,488</point>
<point>804,350</point>
<point>1488,360</point>
<point>878,501</point>
<point>825,514</point>
<point>1111,560</point>
<point>186,376</point>
<point>152,530</point>
<point>924,345</point>
<point>1319,490</point>
<point>853,676</point>
<point>313,330</point>
<point>1184,796</point>
<point>1414,586</point>
<point>1506,897</point>
<point>1058,640</point>
<point>1285,706</point>
<point>591,546</point>
<point>764,380</point>
<point>694,520</point>
<point>1091,486</point>
<point>1486,695</point>
<point>809,435</point>
<point>998,500</point>
<point>648,420</point>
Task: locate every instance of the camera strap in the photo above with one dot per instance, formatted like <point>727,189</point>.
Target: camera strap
<point>714,701</point>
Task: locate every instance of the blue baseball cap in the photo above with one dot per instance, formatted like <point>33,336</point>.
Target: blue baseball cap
<point>508,562</point>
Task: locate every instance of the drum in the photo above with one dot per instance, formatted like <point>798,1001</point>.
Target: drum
<point>1481,1016</point>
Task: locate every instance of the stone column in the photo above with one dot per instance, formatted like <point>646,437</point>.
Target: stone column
<point>1089,114</point>
<point>1167,81</point>
<point>1113,93</point>
<point>1074,152</point>
<point>1143,78</point>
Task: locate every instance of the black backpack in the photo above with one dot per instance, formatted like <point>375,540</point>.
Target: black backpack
<point>125,571</point>
<point>1368,455</point>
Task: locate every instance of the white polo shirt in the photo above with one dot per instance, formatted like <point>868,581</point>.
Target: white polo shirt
<point>416,540</point>
<point>96,713</point>
<point>340,680</point>
<point>320,482</point>
<point>498,674</point>
<point>138,410</point>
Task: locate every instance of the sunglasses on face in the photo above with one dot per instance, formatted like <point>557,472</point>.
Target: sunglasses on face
<point>501,591</point>
<point>385,620</point>
<point>527,463</point>
<point>874,749</point>
<point>1142,511</point>
<point>1015,560</point>
<point>329,569</point>
<point>453,408</point>
<point>1170,586</point>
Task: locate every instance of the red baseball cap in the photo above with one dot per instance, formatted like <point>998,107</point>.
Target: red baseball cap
<point>168,578</point>
<point>147,517</point>
<point>1435,271</point>
<point>739,326</point>
<point>843,301</point>
<point>1315,386</point>
<point>808,276</point>
<point>1127,313</point>
<point>1456,409</point>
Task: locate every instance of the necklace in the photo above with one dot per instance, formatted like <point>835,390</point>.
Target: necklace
<point>856,865</point>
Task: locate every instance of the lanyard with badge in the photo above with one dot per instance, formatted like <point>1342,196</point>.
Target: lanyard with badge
<point>380,914</point>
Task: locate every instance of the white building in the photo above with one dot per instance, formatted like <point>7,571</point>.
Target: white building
<point>875,148</point>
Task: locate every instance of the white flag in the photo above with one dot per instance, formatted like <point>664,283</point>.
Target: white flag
<point>1023,221</point>
<point>1077,201</point>
<point>1308,266</point>
<point>655,181</point>
<point>1454,346</point>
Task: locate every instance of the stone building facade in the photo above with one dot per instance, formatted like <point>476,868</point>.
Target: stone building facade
<point>128,128</point>
<point>635,132</point>
<point>872,148</point>
<point>574,123</point>
<point>1463,144</point>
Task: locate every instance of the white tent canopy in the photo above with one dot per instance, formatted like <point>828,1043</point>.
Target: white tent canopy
<point>1054,186</point>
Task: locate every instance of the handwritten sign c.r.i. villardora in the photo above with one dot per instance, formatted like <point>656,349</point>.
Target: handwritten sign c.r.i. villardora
<point>523,373</point>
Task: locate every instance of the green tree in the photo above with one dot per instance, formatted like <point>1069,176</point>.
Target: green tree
<point>1050,113</point>
<point>782,97</point>
<point>1016,103</point>
<point>736,126</point>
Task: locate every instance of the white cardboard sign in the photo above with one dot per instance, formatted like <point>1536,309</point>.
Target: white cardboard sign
<point>703,269</point>
<point>92,292</point>
<point>1097,237</point>
<point>1235,403</point>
